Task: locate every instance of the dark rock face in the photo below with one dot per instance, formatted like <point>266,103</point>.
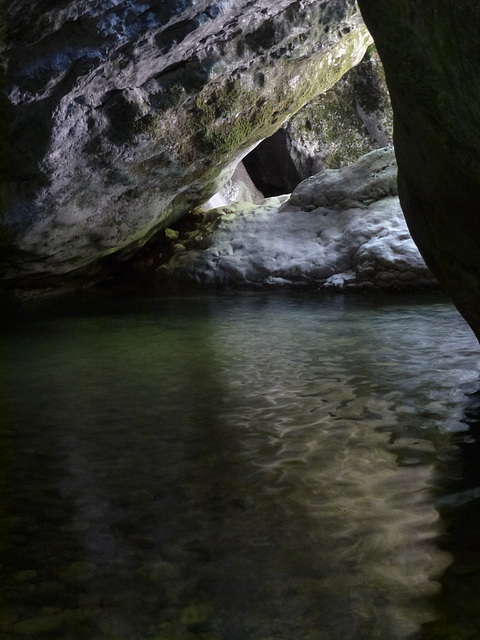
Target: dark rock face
<point>333,130</point>
<point>272,165</point>
<point>431,55</point>
<point>118,116</point>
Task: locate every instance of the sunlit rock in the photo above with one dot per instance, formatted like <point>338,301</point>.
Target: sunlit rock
<point>240,188</point>
<point>342,229</point>
<point>333,130</point>
<point>119,116</point>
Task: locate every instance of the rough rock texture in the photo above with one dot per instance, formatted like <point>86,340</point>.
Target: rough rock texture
<point>240,188</point>
<point>333,130</point>
<point>431,55</point>
<point>119,115</point>
<point>342,229</point>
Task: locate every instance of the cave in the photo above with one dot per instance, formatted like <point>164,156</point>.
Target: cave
<point>237,401</point>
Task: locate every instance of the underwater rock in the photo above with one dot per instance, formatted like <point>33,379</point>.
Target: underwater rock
<point>32,627</point>
<point>27,575</point>
<point>159,572</point>
<point>77,572</point>
<point>119,116</point>
<point>196,614</point>
<point>342,229</point>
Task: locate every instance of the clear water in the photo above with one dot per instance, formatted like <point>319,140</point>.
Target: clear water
<point>239,467</point>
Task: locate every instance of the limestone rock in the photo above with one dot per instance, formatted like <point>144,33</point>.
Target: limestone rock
<point>431,55</point>
<point>118,116</point>
<point>342,229</point>
<point>333,130</point>
<point>372,177</point>
<point>77,572</point>
<point>240,188</point>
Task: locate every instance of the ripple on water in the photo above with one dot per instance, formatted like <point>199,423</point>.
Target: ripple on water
<point>240,467</point>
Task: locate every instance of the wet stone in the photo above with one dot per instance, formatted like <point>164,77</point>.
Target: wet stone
<point>158,572</point>
<point>54,514</point>
<point>196,614</point>
<point>7,618</point>
<point>141,497</point>
<point>40,625</point>
<point>27,575</point>
<point>169,631</point>
<point>49,587</point>
<point>72,616</point>
<point>77,572</point>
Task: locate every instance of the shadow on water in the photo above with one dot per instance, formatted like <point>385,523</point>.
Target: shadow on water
<point>235,467</point>
<point>457,605</point>
<point>113,475</point>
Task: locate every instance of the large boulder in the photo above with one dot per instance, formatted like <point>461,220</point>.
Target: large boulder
<point>431,55</point>
<point>333,130</point>
<point>118,116</point>
<point>342,229</point>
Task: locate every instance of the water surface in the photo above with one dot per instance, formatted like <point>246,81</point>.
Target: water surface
<point>244,466</point>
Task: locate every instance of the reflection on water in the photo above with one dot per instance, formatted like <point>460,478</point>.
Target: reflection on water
<point>236,467</point>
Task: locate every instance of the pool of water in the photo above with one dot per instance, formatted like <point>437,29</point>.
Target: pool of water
<point>242,466</point>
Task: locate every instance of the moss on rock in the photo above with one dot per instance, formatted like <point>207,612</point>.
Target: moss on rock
<point>334,129</point>
<point>137,124</point>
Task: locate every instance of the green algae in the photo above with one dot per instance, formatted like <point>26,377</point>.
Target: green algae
<point>231,114</point>
<point>238,116</point>
<point>182,140</point>
<point>331,122</point>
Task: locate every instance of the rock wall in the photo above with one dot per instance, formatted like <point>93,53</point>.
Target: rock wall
<point>118,116</point>
<point>431,55</point>
<point>333,130</point>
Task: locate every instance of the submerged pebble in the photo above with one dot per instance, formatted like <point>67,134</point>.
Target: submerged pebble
<point>77,572</point>
<point>27,575</point>
<point>41,625</point>
<point>158,572</point>
<point>196,614</point>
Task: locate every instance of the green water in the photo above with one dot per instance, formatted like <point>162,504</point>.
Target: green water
<point>239,467</point>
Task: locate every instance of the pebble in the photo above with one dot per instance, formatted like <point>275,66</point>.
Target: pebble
<point>26,575</point>
<point>158,572</point>
<point>196,614</point>
<point>35,626</point>
<point>49,587</point>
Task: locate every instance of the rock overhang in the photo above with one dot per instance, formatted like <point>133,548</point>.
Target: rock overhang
<point>120,116</point>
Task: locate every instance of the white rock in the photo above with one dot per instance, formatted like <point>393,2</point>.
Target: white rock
<point>355,237</point>
<point>372,177</point>
<point>120,115</point>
